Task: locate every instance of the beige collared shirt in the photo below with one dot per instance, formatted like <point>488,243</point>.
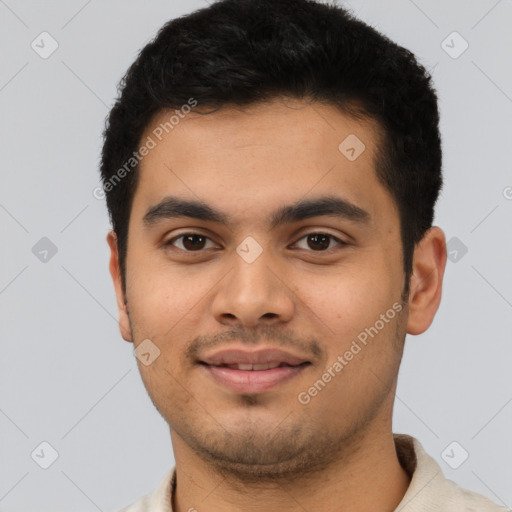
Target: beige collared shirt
<point>429,490</point>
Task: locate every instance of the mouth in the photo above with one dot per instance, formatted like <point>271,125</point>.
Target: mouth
<point>255,367</point>
<point>253,378</point>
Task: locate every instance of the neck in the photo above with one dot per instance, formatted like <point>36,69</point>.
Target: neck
<point>370,477</point>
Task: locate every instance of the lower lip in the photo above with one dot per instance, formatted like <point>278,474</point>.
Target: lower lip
<point>253,381</point>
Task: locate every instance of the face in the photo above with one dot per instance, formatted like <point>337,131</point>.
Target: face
<point>256,241</point>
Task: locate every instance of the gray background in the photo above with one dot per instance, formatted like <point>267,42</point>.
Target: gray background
<point>67,377</point>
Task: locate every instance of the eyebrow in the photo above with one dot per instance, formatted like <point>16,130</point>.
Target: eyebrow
<point>332,206</point>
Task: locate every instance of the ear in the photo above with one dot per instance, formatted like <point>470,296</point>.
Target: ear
<point>426,281</point>
<point>115,272</point>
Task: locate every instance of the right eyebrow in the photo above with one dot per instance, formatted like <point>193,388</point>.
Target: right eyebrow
<point>173,207</point>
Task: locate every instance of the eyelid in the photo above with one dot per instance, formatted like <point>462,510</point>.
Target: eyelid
<point>340,242</point>
<point>170,241</point>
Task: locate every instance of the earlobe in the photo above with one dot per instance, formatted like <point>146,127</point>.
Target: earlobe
<point>115,272</point>
<point>426,281</point>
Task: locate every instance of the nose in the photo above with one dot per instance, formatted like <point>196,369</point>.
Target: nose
<point>253,294</point>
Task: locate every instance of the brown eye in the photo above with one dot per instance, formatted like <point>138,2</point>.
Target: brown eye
<point>190,242</point>
<point>194,242</point>
<point>319,242</point>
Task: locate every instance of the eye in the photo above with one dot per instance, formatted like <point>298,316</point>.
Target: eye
<point>196,242</point>
<point>319,242</point>
<point>191,242</point>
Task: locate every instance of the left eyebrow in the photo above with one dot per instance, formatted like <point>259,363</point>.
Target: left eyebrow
<point>331,206</point>
<point>173,207</point>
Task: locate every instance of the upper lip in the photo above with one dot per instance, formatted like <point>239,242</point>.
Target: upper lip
<point>260,356</point>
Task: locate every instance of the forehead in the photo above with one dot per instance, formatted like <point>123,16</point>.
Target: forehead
<point>244,159</point>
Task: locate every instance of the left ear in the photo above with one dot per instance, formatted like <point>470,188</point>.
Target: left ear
<point>426,281</point>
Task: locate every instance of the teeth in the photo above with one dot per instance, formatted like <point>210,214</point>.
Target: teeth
<point>263,366</point>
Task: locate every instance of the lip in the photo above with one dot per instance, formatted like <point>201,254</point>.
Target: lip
<point>260,356</point>
<point>253,381</point>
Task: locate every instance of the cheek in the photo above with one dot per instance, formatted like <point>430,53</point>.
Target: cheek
<point>163,299</point>
<point>347,301</point>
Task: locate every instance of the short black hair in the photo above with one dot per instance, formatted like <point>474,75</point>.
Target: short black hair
<point>243,52</point>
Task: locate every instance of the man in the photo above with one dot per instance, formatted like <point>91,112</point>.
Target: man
<point>271,169</point>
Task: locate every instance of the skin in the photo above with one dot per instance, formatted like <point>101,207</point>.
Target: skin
<point>267,451</point>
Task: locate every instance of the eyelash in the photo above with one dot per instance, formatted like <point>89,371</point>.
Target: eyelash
<point>332,237</point>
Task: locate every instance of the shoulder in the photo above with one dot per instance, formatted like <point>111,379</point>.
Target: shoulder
<point>160,500</point>
<point>429,488</point>
<point>141,505</point>
<point>474,502</point>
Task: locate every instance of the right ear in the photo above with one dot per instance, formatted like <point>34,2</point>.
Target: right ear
<point>115,272</point>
